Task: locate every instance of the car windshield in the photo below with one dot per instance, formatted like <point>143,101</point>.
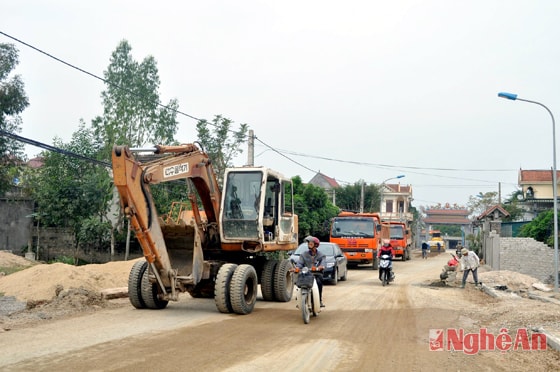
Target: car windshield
<point>325,248</point>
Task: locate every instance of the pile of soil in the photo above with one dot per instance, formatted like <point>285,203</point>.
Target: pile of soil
<point>515,282</point>
<point>41,291</point>
<point>42,282</point>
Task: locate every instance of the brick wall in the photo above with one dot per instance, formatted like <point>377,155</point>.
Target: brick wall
<point>527,256</point>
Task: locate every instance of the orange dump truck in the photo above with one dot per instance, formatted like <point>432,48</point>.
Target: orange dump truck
<point>358,235</point>
<point>401,239</point>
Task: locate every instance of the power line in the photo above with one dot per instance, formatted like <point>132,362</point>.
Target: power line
<point>278,151</point>
<point>97,77</point>
<point>53,149</point>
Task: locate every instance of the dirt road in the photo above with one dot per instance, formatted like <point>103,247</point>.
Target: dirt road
<point>365,327</point>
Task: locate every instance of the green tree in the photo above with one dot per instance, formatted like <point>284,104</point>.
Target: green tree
<point>12,103</point>
<point>349,197</point>
<point>482,201</point>
<point>541,228</point>
<point>449,230</point>
<point>221,143</point>
<point>132,113</point>
<point>314,209</point>
<point>479,203</point>
<point>511,205</point>
<point>72,192</point>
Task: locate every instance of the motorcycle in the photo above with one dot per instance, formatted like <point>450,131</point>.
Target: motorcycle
<point>307,293</point>
<point>449,271</point>
<point>385,269</point>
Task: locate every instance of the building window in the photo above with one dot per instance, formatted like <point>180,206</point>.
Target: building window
<point>389,206</point>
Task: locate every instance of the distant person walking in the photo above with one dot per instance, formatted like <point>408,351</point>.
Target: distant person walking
<point>438,247</point>
<point>469,263</point>
<point>425,247</point>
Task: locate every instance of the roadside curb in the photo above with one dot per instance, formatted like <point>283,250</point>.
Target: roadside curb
<point>552,340</point>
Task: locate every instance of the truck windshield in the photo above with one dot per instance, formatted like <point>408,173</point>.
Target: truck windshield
<point>353,227</point>
<point>397,232</point>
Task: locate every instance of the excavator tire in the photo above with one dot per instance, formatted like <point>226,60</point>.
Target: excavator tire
<point>243,289</point>
<point>267,280</point>
<point>150,293</point>
<point>135,284</point>
<point>283,283</point>
<point>222,288</point>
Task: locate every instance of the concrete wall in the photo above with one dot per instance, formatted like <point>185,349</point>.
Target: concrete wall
<point>14,225</point>
<point>55,243</point>
<point>527,256</point>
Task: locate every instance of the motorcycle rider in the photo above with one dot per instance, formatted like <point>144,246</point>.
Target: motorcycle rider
<point>313,258</point>
<point>387,249</point>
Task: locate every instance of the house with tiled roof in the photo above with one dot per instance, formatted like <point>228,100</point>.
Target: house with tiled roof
<point>536,187</point>
<point>327,183</point>
<point>395,202</point>
<point>324,181</point>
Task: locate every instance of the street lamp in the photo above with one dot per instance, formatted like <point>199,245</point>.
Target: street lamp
<point>514,97</point>
<point>382,187</point>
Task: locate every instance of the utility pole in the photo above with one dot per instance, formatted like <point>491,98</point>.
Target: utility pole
<point>362,198</point>
<point>251,149</point>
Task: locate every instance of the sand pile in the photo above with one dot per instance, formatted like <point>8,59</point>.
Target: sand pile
<point>42,282</point>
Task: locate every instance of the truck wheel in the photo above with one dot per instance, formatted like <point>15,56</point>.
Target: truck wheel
<point>375,264</point>
<point>403,258</point>
<point>243,289</point>
<point>135,284</point>
<point>222,288</point>
<point>283,283</point>
<point>150,293</point>
<point>267,280</point>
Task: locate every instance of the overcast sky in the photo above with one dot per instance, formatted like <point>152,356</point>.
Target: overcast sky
<point>358,90</point>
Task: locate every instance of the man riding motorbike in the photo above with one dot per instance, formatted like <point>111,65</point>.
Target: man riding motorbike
<point>313,258</point>
<point>386,249</point>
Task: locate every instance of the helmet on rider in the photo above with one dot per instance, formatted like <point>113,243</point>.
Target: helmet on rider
<point>313,239</point>
<point>386,242</point>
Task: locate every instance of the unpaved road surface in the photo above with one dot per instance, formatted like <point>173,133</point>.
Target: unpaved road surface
<point>365,327</point>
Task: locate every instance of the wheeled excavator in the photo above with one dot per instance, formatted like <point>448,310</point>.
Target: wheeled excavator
<point>221,244</point>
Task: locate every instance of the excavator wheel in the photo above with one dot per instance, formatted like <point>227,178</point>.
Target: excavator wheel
<point>267,280</point>
<point>243,289</point>
<point>150,293</point>
<point>283,283</point>
<point>222,288</point>
<point>135,284</point>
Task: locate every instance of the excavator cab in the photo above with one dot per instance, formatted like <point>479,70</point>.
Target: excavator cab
<point>257,210</point>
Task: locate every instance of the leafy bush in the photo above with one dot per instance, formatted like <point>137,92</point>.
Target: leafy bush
<point>541,228</point>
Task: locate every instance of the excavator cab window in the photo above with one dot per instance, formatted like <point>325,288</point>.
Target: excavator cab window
<point>242,204</point>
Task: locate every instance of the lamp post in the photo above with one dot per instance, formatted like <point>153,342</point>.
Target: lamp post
<point>514,97</point>
<point>382,187</point>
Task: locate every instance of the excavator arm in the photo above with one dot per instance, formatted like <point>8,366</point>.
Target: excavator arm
<point>132,180</point>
